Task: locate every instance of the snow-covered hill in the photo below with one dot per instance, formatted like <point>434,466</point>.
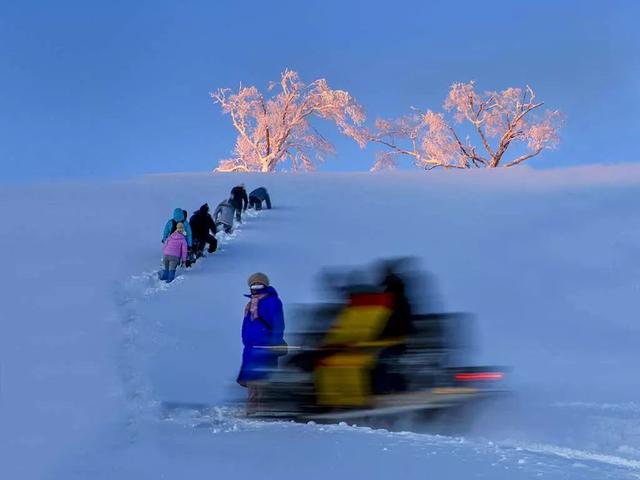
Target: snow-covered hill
<point>90,341</point>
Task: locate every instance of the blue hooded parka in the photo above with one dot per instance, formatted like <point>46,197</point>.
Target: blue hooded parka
<point>178,216</point>
<point>266,330</point>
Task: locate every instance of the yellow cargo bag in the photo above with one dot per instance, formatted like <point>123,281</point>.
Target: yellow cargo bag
<point>344,378</point>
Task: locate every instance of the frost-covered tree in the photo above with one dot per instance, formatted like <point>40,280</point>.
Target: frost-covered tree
<point>498,120</point>
<point>276,129</point>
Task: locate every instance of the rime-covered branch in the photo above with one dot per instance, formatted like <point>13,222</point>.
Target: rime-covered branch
<point>277,129</point>
<point>433,141</point>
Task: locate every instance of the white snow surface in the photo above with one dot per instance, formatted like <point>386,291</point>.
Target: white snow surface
<point>91,342</point>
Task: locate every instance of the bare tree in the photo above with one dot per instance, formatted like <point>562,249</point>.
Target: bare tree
<point>505,117</point>
<point>272,131</point>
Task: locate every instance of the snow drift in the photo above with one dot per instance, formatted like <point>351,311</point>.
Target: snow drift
<point>91,342</point>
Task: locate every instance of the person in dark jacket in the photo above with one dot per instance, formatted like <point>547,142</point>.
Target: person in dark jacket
<point>262,337</point>
<point>400,322</point>
<point>191,254</point>
<point>258,196</point>
<point>239,200</point>
<point>203,229</point>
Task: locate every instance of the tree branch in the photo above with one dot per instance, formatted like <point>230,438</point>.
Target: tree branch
<point>509,135</point>
<point>473,155</point>
<point>267,134</point>
<point>523,158</point>
<point>399,150</point>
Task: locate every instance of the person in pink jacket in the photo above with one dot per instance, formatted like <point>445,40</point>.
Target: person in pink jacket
<point>175,253</point>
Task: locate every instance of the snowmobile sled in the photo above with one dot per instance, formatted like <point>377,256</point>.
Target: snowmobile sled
<point>372,358</point>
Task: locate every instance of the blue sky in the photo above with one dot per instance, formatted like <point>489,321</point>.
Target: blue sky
<point>119,88</point>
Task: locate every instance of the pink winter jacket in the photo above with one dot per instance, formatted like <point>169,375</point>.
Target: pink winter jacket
<point>176,245</point>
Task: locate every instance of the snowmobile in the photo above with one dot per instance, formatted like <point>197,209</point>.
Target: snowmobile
<point>370,359</point>
<point>378,379</point>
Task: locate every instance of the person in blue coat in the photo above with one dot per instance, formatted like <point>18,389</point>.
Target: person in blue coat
<point>262,337</point>
<point>179,216</point>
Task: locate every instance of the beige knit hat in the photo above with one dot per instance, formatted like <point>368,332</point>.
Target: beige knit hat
<point>180,227</point>
<point>258,277</point>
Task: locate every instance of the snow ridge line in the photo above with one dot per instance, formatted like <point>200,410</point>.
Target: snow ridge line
<point>574,454</point>
<point>627,407</point>
<point>225,420</point>
<point>537,448</point>
<point>127,295</point>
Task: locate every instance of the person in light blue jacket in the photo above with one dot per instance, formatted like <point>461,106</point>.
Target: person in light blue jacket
<point>179,216</point>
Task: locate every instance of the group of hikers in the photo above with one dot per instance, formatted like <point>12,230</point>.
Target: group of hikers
<point>184,241</point>
<point>263,324</point>
<point>377,315</point>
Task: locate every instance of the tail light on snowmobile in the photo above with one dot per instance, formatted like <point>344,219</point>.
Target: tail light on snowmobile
<point>478,376</point>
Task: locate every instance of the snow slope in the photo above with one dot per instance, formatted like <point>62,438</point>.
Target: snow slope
<point>90,342</point>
